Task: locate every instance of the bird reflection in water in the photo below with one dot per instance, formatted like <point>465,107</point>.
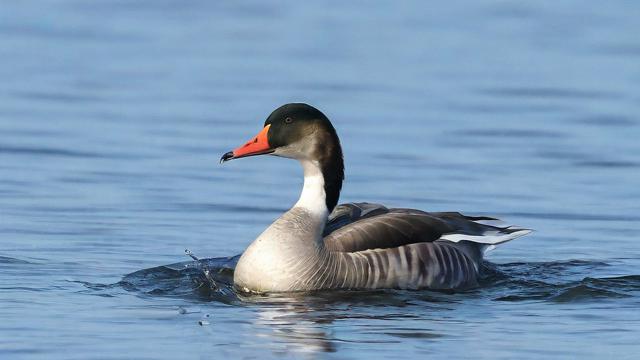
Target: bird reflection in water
<point>310,322</point>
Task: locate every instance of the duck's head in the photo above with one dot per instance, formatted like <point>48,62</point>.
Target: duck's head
<point>299,131</point>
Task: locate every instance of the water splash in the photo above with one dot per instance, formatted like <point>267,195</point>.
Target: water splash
<point>204,279</point>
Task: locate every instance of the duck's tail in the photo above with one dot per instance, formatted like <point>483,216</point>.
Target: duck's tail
<point>491,234</point>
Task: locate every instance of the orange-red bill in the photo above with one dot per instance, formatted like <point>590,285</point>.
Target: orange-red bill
<point>258,145</point>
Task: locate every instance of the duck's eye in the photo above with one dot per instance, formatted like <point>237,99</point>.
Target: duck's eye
<point>288,120</point>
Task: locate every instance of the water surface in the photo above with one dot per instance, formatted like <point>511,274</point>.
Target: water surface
<point>113,115</point>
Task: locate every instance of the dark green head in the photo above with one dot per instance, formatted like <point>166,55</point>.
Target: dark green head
<point>300,131</point>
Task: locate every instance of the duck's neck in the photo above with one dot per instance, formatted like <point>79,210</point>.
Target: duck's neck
<point>313,196</point>
<point>293,245</point>
<point>322,182</point>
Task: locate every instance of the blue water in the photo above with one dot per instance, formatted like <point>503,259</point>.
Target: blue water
<point>113,115</point>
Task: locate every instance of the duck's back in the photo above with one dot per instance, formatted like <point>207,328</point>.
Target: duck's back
<point>377,247</point>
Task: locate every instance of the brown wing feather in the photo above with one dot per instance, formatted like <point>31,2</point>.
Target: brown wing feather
<point>362,226</point>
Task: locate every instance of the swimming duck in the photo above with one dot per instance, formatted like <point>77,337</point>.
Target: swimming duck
<point>318,244</point>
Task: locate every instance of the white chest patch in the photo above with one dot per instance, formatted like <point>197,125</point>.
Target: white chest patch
<point>274,261</point>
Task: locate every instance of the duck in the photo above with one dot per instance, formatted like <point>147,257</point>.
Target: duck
<point>320,245</point>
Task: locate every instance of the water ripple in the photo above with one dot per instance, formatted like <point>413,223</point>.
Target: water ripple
<point>44,151</point>
<point>59,152</point>
<point>56,97</point>
<point>60,33</point>
<point>10,260</point>
<point>547,93</point>
<point>607,120</point>
<point>515,133</point>
<point>571,216</point>
<point>608,164</point>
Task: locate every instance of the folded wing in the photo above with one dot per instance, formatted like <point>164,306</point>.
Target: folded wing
<point>363,226</point>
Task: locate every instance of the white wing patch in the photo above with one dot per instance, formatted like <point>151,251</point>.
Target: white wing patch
<point>490,238</point>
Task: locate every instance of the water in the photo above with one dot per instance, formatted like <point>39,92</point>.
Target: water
<point>113,116</point>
